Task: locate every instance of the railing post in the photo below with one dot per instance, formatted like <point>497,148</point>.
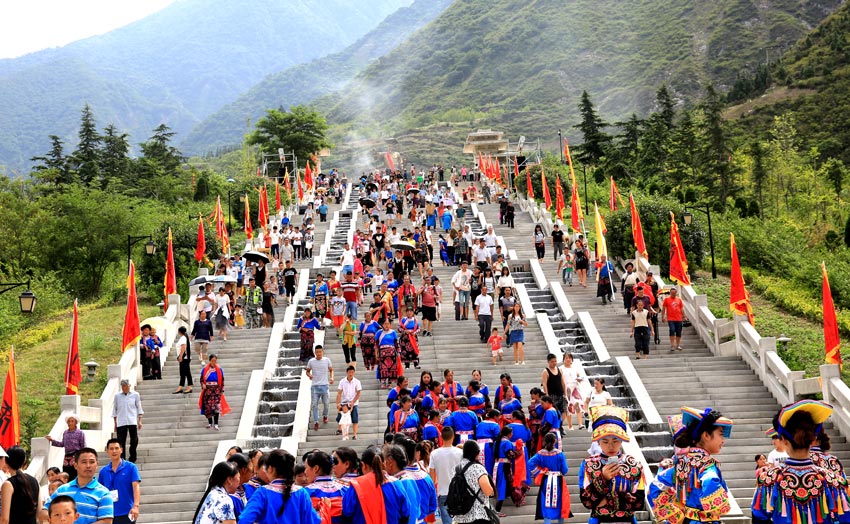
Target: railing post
<point>765,344</point>
<point>827,373</point>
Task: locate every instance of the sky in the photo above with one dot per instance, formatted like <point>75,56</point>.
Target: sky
<point>30,25</point>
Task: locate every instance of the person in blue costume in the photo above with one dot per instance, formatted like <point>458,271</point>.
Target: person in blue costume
<point>505,383</point>
<point>802,491</point>
<point>280,500</point>
<point>477,402</point>
<point>394,394</point>
<point>376,492</point>
<point>485,434</point>
<point>551,422</point>
<point>426,491</point>
<point>307,324</point>
<point>504,454</point>
<point>395,461</point>
<point>463,421</point>
<point>694,490</point>
<point>508,405</point>
<point>368,329</point>
<point>325,491</point>
<point>676,428</point>
<point>549,469</point>
<point>482,387</point>
<point>319,295</point>
<point>431,429</point>
<point>521,432</point>
<point>431,399</point>
<point>388,353</point>
<point>451,389</point>
<point>611,483</point>
<point>346,465</point>
<point>421,389</point>
<point>406,420</point>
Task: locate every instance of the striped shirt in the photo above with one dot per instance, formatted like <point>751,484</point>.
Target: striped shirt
<point>350,290</point>
<point>94,501</point>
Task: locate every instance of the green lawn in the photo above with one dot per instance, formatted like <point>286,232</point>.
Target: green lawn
<point>41,368</point>
<point>804,352</point>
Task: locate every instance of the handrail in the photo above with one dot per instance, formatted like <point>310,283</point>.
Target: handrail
<point>525,301</point>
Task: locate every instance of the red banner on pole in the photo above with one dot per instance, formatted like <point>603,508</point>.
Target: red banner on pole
<point>72,364</point>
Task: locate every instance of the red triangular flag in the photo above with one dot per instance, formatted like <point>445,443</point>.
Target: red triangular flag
<point>286,186</point>
<point>678,262</point>
<point>308,177</point>
<point>559,199</point>
<point>831,340</point>
<point>10,417</point>
<point>131,332</point>
<point>614,198</point>
<point>739,299</point>
<point>170,287</point>
<point>201,243</point>
<point>300,189</point>
<point>263,211</point>
<point>575,210</point>
<point>637,229</point>
<point>547,199</point>
<point>72,364</point>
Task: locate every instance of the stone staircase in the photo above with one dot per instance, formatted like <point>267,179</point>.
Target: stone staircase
<point>176,450</point>
<point>725,383</point>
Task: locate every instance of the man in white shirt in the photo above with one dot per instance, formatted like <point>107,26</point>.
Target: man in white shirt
<point>348,392</point>
<point>484,313</point>
<point>127,418</point>
<point>481,256</point>
<point>490,241</point>
<point>321,372</point>
<point>275,242</point>
<point>441,467</point>
<point>461,282</point>
<point>346,260</point>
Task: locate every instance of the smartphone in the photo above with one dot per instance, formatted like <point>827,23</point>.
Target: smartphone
<point>612,460</point>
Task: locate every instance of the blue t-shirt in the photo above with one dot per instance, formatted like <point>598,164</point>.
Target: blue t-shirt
<point>122,482</point>
<point>94,502</point>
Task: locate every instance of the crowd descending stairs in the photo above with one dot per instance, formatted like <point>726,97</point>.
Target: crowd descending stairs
<point>176,450</point>
<point>693,377</point>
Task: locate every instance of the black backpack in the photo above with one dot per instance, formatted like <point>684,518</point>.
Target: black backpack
<point>460,498</point>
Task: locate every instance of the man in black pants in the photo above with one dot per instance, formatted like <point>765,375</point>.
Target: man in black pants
<point>127,415</point>
<point>557,241</point>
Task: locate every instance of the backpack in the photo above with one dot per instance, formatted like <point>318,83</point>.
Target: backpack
<point>460,498</point>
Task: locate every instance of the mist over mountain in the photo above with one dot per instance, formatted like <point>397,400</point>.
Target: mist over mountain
<point>175,66</point>
<point>306,82</point>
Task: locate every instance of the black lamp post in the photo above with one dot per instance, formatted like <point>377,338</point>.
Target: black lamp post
<point>229,220</point>
<point>561,145</point>
<point>584,169</point>
<point>27,298</point>
<point>688,218</point>
<point>150,247</point>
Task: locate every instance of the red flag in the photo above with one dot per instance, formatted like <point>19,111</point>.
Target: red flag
<point>498,175</point>
<point>831,340</point>
<point>72,364</point>
<point>249,229</point>
<point>614,198</point>
<point>263,211</point>
<point>10,417</point>
<point>286,185</point>
<point>570,162</point>
<point>575,210</point>
<point>546,198</point>
<point>201,243</point>
<point>131,332</point>
<point>259,171</point>
<point>678,262</point>
<point>218,218</point>
<point>308,177</point>
<point>481,164</point>
<point>739,299</point>
<point>276,196</point>
<point>559,198</point>
<point>637,229</point>
<point>170,272</point>
<point>300,189</point>
<point>390,161</point>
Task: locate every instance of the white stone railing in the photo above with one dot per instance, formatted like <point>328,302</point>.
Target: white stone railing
<point>346,196</point>
<point>525,301</point>
<point>97,415</point>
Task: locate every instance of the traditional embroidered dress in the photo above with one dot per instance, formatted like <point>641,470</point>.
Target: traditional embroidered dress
<point>535,420</point>
<point>485,434</point>
<point>406,422</point>
<point>425,490</point>
<point>387,342</point>
<point>614,500</point>
<point>507,407</point>
<point>549,469</point>
<point>326,496</point>
<point>319,294</point>
<point>451,391</point>
<point>503,455</point>
<point>464,423</point>
<point>804,493</point>
<point>211,400</point>
<point>346,479</point>
<point>409,343</point>
<point>698,491</point>
<point>552,419</point>
<point>308,337</point>
<point>432,433</point>
<point>765,480</point>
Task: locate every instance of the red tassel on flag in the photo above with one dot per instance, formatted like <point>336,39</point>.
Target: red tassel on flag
<point>73,377</point>
<point>739,298</point>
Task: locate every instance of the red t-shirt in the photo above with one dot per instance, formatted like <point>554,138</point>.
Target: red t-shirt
<point>673,307</point>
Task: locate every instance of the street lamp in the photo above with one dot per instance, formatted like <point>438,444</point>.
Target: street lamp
<point>150,247</point>
<point>584,169</point>
<point>783,340</point>
<point>688,218</point>
<point>27,298</point>
<point>561,145</point>
<point>229,220</point>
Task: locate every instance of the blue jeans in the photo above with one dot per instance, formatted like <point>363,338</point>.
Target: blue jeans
<point>351,309</point>
<point>319,394</point>
<point>445,518</point>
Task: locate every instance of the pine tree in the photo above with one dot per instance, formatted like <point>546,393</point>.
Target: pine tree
<point>53,167</point>
<point>86,159</point>
<point>716,153</point>
<point>591,127</point>
<point>115,164</point>
<point>759,173</point>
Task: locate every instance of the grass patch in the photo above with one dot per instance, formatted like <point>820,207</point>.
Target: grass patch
<point>41,366</point>
<point>804,352</point>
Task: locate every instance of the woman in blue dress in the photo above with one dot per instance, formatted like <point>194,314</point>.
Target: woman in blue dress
<point>549,469</point>
<point>368,329</point>
<point>477,402</point>
<point>463,421</point>
<point>406,420</point>
<point>306,326</point>
<point>376,496</point>
<point>319,295</point>
<point>508,405</point>
<point>388,354</point>
<point>802,491</point>
<point>504,457</point>
<point>611,482</point>
<point>485,434</point>
<point>325,491</point>
<point>280,500</point>
<point>694,490</point>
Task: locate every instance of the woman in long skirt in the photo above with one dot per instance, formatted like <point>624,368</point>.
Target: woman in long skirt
<point>212,402</point>
<point>409,343</point>
<point>549,469</point>
<point>306,326</point>
<point>368,329</point>
<point>388,354</point>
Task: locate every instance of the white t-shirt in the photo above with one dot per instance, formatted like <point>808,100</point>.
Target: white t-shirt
<point>484,304</point>
<point>480,254</point>
<point>348,257</point>
<point>777,458</point>
<point>443,461</point>
<point>275,237</point>
<point>490,240</point>
<point>349,390</point>
<point>461,279</point>
<point>599,399</point>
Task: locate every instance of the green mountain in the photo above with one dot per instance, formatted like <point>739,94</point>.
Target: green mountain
<point>306,82</point>
<point>175,66</point>
<point>520,66</point>
<point>812,83</point>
